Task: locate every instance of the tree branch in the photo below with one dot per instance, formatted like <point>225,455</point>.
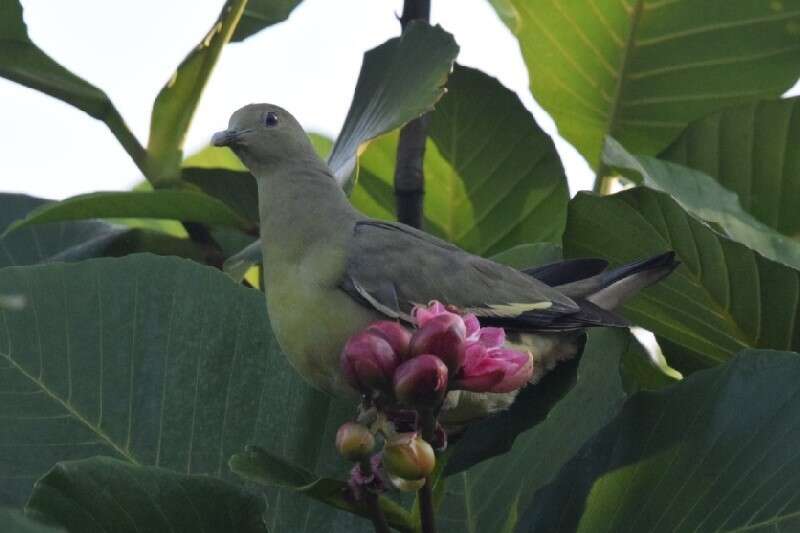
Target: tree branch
<point>409,179</point>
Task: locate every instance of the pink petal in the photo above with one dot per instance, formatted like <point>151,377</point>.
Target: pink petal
<point>519,370</point>
<point>492,337</point>
<point>472,324</point>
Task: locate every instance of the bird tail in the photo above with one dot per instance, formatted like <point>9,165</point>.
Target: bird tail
<point>607,289</point>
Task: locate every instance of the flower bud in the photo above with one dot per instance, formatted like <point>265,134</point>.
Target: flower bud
<point>394,333</point>
<point>368,362</point>
<point>354,441</point>
<point>408,457</point>
<point>421,381</point>
<point>442,336</point>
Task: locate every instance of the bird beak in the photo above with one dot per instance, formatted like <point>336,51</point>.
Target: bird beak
<point>226,137</point>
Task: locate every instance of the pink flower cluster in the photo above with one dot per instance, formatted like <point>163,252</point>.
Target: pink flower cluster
<point>447,351</point>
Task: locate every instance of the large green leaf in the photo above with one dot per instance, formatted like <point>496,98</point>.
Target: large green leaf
<point>493,178</point>
<point>25,63</point>
<point>705,198</point>
<point>258,14</point>
<point>751,150</point>
<point>488,496</point>
<point>14,521</point>
<point>175,105</point>
<point>157,361</point>
<point>712,453</point>
<point>640,70</point>
<point>723,298</point>
<point>399,80</point>
<point>259,466</point>
<point>191,206</point>
<point>102,494</point>
<point>74,241</point>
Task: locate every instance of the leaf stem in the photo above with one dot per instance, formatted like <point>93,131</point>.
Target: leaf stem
<point>409,177</point>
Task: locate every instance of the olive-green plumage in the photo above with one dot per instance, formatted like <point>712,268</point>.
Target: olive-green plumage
<point>329,271</point>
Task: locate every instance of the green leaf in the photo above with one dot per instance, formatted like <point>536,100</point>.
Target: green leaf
<point>190,206</point>
<point>259,14</point>
<point>488,495</point>
<point>640,71</point>
<point>158,361</point>
<point>707,454</point>
<point>751,150</point>
<point>214,157</point>
<point>236,189</point>
<point>14,521</point>
<point>399,80</point>
<point>75,241</point>
<point>262,467</point>
<point>488,187</point>
<point>723,298</point>
<point>524,256</point>
<point>175,105</point>
<point>25,63</point>
<point>103,494</point>
<point>705,198</point>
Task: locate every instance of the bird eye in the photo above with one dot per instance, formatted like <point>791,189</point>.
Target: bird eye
<point>271,119</point>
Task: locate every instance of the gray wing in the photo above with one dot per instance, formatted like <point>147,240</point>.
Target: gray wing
<point>393,267</point>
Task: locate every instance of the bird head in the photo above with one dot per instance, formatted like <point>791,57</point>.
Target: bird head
<point>265,135</point>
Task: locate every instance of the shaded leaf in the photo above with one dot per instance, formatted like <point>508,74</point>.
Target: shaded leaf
<point>103,494</point>
<point>157,361</point>
<point>262,467</point>
<point>14,521</point>
<point>489,186</point>
<point>176,103</point>
<point>705,198</point>
<point>75,241</point>
<point>724,297</point>
<point>25,63</point>
<point>399,80</point>
<point>707,454</point>
<point>640,71</point>
<point>190,206</point>
<point>525,256</point>
<point>235,188</point>
<point>751,150</point>
<point>259,14</point>
<point>487,497</point>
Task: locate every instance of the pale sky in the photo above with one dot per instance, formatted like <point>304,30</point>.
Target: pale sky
<point>308,64</point>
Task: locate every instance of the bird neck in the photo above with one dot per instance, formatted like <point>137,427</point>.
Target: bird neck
<point>301,205</point>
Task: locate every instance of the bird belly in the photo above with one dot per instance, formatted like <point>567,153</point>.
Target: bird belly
<point>311,322</point>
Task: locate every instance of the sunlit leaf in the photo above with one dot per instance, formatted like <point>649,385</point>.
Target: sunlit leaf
<point>640,70</point>
<point>751,150</point>
<point>492,178</point>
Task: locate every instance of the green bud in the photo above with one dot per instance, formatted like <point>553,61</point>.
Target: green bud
<point>354,441</point>
<point>408,456</point>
